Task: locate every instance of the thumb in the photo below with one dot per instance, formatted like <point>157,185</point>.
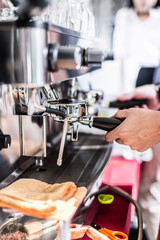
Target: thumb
<point>121,114</point>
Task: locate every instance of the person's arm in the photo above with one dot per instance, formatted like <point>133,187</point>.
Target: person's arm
<point>144,92</point>
<point>140,129</point>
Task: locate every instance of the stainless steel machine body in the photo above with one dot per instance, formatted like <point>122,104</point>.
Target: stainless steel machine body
<point>38,109</point>
<point>34,56</point>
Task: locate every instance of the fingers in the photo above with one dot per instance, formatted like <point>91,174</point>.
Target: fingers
<point>113,135</point>
<point>121,114</point>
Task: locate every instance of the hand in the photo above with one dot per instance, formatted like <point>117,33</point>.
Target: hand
<point>140,130</point>
<point>144,92</point>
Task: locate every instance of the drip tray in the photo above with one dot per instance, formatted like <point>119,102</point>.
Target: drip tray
<point>83,162</point>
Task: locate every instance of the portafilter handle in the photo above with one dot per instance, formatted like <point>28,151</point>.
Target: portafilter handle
<point>128,104</point>
<point>106,124</point>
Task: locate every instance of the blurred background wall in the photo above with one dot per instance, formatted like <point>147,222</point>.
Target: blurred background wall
<point>104,12</point>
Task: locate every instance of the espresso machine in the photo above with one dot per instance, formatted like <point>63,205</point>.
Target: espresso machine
<point>42,105</point>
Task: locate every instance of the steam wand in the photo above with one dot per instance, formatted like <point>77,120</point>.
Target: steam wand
<point>64,133</point>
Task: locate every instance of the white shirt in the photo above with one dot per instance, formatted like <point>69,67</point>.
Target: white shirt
<point>136,39</point>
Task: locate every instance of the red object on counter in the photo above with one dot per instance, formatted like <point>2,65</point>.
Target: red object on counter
<point>122,172</point>
<point>117,215</point>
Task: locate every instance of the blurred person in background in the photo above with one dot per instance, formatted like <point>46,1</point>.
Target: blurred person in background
<point>136,42</point>
<point>141,130</point>
<point>136,45</point>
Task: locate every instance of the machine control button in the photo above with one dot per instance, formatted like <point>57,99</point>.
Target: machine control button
<point>5,140</point>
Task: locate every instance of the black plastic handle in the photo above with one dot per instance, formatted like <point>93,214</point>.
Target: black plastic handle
<point>128,104</point>
<point>106,124</point>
